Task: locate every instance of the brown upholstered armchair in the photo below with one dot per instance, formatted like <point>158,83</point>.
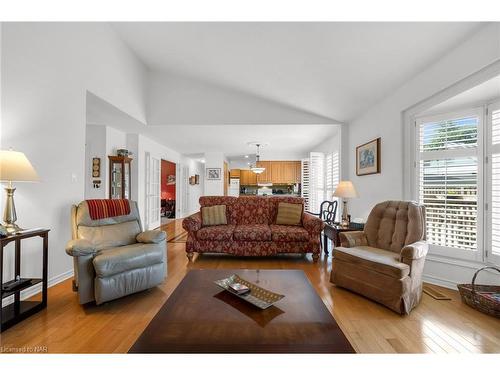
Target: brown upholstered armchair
<point>385,261</point>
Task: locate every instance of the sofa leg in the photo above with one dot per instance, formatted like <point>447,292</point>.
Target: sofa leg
<point>315,257</point>
<point>190,256</point>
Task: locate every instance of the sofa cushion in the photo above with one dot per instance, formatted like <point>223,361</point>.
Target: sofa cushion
<point>214,215</point>
<point>124,258</point>
<point>274,202</point>
<point>379,260</point>
<point>289,233</point>
<point>250,210</point>
<point>216,233</point>
<point>289,213</point>
<point>108,236</point>
<point>252,232</point>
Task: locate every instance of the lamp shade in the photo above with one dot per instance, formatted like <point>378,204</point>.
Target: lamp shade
<point>15,166</point>
<point>345,189</point>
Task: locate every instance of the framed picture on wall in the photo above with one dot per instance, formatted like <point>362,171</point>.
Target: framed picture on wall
<point>213,174</point>
<point>368,158</point>
<point>197,179</point>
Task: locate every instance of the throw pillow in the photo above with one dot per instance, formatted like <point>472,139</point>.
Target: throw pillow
<point>289,214</point>
<point>213,215</point>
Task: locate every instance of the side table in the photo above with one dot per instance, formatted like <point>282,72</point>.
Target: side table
<point>20,310</point>
<point>332,231</point>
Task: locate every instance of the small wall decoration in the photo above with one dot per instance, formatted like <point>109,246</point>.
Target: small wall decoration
<point>192,180</point>
<point>368,158</point>
<point>197,179</point>
<point>96,167</point>
<point>171,179</point>
<point>213,173</point>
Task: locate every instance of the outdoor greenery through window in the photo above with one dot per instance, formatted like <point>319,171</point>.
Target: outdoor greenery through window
<point>448,180</point>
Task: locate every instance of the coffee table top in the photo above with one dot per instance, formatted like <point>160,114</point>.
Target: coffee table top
<point>200,317</point>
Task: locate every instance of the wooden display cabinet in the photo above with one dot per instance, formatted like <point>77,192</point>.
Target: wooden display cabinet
<point>119,177</point>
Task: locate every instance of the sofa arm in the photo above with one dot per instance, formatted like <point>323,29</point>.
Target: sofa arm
<point>312,224</point>
<point>414,251</point>
<point>192,223</point>
<point>352,239</point>
<point>80,247</point>
<point>151,236</point>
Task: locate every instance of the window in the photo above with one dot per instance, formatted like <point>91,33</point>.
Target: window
<point>332,175</point>
<point>449,181</point>
<point>320,177</point>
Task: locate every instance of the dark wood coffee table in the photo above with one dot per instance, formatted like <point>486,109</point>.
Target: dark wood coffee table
<point>199,317</point>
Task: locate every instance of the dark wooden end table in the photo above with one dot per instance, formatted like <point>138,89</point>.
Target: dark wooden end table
<point>19,310</point>
<point>332,231</point>
<point>200,317</point>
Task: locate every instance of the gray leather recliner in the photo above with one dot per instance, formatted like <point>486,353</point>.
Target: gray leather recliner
<point>113,257</point>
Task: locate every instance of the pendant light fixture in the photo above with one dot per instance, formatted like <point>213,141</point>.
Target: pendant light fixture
<point>255,168</point>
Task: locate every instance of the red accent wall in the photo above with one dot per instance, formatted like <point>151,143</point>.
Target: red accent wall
<point>167,169</point>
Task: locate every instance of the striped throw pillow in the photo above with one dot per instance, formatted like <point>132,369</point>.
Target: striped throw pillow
<point>289,214</point>
<point>213,215</point>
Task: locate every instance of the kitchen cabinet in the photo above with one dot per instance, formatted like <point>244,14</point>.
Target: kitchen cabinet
<point>277,172</point>
<point>247,178</point>
<point>297,165</point>
<point>235,173</point>
<point>266,176</point>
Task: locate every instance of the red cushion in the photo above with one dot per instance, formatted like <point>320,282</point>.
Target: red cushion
<point>289,233</point>
<point>252,232</point>
<point>216,233</point>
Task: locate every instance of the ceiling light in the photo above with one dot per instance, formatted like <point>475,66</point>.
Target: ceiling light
<point>246,156</point>
<point>202,161</point>
<point>255,169</point>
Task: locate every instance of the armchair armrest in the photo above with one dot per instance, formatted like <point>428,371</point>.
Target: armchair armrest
<point>414,251</point>
<point>80,247</point>
<point>192,223</point>
<point>312,224</point>
<point>151,236</point>
<point>354,238</point>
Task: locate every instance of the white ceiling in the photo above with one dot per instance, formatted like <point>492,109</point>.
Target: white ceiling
<point>285,141</point>
<point>486,91</point>
<point>336,70</point>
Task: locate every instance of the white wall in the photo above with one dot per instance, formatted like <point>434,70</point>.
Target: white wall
<point>47,69</point>
<point>385,119</point>
<point>100,141</point>
<point>194,191</point>
<point>140,146</point>
<point>330,144</point>
<point>95,147</point>
<point>214,160</point>
<point>171,100</point>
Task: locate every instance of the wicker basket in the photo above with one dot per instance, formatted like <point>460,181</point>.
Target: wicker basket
<point>476,296</point>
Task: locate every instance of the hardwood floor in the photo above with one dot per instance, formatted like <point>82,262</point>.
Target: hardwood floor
<point>433,327</point>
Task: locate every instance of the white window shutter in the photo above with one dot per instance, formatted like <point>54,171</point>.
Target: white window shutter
<point>316,180</point>
<point>305,183</point>
<point>448,180</point>
<point>493,171</point>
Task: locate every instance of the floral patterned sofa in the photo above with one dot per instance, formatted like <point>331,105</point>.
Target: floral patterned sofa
<point>251,229</point>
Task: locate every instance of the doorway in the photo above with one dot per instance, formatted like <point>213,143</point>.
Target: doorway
<point>168,191</point>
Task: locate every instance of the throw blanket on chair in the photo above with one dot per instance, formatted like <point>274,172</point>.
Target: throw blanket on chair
<point>103,208</point>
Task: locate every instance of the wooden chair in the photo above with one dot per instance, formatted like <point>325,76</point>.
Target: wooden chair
<point>327,213</point>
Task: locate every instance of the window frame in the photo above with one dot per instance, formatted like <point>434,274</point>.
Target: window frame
<point>489,256</point>
<point>479,153</point>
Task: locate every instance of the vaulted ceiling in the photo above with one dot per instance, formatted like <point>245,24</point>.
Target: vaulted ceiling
<point>332,70</point>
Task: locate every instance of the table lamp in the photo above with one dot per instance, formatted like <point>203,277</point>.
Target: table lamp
<point>14,167</point>
<point>345,189</point>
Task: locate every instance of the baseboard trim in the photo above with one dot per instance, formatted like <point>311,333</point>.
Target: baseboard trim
<point>30,292</point>
<point>449,284</point>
